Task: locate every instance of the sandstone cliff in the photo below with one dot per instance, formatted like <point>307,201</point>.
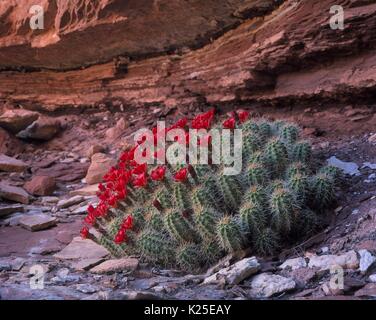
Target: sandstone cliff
<point>183,52</point>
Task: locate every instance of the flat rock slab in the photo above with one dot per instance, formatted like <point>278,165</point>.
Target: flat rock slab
<point>37,222</point>
<point>235,273</point>
<point>90,190</point>
<point>348,260</point>
<point>86,264</point>
<point>82,249</point>
<point>8,209</point>
<point>116,265</point>
<point>66,203</point>
<point>12,193</point>
<point>11,165</point>
<point>267,285</point>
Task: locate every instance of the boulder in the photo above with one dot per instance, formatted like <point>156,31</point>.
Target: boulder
<point>12,193</point>
<point>235,273</point>
<point>37,222</point>
<point>267,285</point>
<point>294,264</point>
<point>11,165</point>
<point>100,164</point>
<point>90,190</point>
<point>16,120</point>
<point>117,131</point>
<point>348,260</point>
<point>366,260</point>
<point>41,185</point>
<point>116,265</point>
<point>95,148</point>
<point>42,129</point>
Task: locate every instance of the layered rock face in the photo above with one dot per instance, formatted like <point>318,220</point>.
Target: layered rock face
<point>257,51</point>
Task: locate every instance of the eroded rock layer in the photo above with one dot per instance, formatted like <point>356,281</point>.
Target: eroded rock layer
<point>289,54</point>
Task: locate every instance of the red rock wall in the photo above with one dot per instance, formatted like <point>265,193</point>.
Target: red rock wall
<point>290,55</point>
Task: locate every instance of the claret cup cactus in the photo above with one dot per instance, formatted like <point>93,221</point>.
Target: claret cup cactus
<point>189,215</point>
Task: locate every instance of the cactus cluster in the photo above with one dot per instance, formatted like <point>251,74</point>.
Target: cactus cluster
<point>190,216</point>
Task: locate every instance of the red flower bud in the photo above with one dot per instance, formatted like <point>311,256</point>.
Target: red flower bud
<point>158,173</point>
<point>84,232</point>
<point>243,115</point>
<point>229,123</point>
<point>181,175</point>
<point>140,181</point>
<point>120,237</point>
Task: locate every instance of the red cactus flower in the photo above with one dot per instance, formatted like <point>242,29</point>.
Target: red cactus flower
<point>229,123</point>
<point>158,173</point>
<point>112,201</point>
<point>141,168</point>
<point>181,123</point>
<point>84,232</point>
<point>127,223</point>
<point>140,181</point>
<point>181,175</point>
<point>90,219</point>
<point>203,121</point>
<point>120,237</point>
<point>243,115</point>
<point>101,187</point>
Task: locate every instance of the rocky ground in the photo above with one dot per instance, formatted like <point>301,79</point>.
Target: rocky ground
<point>49,170</point>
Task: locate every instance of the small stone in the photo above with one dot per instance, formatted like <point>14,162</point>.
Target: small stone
<point>369,290</point>
<point>66,203</point>
<point>6,210</point>
<point>294,264</point>
<point>11,165</point>
<point>41,185</point>
<point>366,260</point>
<point>80,210</point>
<point>267,285</point>
<point>86,288</point>
<point>82,249</point>
<point>348,260</point>
<point>372,138</point>
<point>331,291</point>
<point>137,295</point>
<point>37,222</point>
<point>350,168</point>
<point>116,265</point>
<point>370,165</point>
<point>100,164</point>
<point>49,200</point>
<point>117,131</point>
<point>96,148</point>
<point>90,190</point>
<point>372,278</point>
<point>235,273</point>
<point>12,193</point>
